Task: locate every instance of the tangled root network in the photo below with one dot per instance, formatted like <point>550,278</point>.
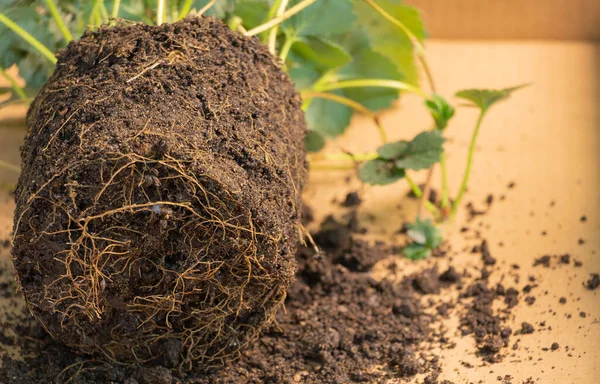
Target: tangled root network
<point>158,207</point>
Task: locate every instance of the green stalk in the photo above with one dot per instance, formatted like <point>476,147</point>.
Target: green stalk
<point>445,201</point>
<point>281,18</point>
<point>285,49</point>
<point>371,83</point>
<point>419,194</point>
<point>94,14</point>
<point>59,21</point>
<point>41,48</point>
<point>103,12</point>
<point>206,8</point>
<point>15,86</point>
<point>9,166</point>
<point>115,9</point>
<point>465,180</point>
<point>352,104</point>
<point>272,37</point>
<point>185,9</point>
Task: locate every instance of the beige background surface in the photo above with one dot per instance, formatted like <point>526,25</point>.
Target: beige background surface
<point>511,19</point>
<point>546,139</point>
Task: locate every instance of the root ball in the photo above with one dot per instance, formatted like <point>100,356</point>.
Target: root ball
<point>158,206</point>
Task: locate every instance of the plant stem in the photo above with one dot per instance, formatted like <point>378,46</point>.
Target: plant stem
<point>371,83</point>
<point>115,9</point>
<point>277,20</point>
<point>426,189</point>
<point>272,37</point>
<point>160,11</point>
<point>9,166</point>
<point>41,48</point>
<point>419,194</point>
<point>59,21</point>
<point>465,180</point>
<point>445,201</point>
<point>185,9</point>
<point>103,12</point>
<point>206,8</point>
<point>15,86</point>
<point>94,13</point>
<point>352,104</point>
<point>285,49</point>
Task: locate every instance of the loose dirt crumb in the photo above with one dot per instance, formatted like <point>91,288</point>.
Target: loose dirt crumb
<point>593,282</point>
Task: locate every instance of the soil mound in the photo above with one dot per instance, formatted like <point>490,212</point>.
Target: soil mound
<point>159,199</point>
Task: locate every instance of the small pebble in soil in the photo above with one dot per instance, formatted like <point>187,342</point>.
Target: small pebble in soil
<point>555,346</point>
<point>562,300</point>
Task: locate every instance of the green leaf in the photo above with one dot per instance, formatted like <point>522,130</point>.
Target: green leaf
<point>303,74</point>
<point>416,251</point>
<point>394,150</point>
<point>387,39</point>
<point>252,12</point>
<point>328,117</point>
<point>322,18</point>
<point>366,63</point>
<point>379,172</point>
<point>425,233</point>
<point>440,110</point>
<point>321,51</point>
<point>485,98</point>
<point>422,152</point>
<point>314,141</point>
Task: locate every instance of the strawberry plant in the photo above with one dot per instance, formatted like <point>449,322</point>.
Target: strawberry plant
<point>344,56</point>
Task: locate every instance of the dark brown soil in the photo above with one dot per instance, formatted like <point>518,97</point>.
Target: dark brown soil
<point>340,326</point>
<point>159,200</point>
<point>593,282</point>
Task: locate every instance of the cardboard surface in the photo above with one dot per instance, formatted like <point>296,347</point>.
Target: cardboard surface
<point>545,140</point>
<point>511,19</point>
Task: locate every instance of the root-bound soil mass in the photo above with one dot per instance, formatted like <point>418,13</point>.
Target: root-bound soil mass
<point>157,212</point>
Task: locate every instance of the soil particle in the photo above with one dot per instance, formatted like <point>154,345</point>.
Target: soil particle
<point>544,261</point>
<point>450,276</point>
<point>485,254</point>
<point>565,259</point>
<point>352,200</point>
<point>554,346</point>
<point>562,300</point>
<point>427,282</point>
<point>593,282</point>
<point>526,328</point>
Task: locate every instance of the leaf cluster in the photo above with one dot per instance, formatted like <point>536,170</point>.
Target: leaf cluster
<point>395,158</point>
<point>328,41</point>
